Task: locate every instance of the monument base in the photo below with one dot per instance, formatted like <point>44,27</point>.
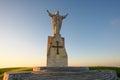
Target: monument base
<point>56,52</point>
<point>61,69</point>
<point>62,73</point>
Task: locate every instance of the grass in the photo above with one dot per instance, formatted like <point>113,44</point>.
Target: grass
<point>2,70</point>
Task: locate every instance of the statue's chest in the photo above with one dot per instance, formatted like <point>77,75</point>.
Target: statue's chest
<point>58,18</point>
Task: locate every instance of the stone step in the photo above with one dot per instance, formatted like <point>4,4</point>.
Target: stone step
<point>86,75</point>
<point>98,75</point>
<point>60,69</point>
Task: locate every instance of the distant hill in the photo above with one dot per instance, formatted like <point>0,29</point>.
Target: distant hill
<point>2,70</point>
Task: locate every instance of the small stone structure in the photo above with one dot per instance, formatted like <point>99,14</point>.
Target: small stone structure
<point>57,62</point>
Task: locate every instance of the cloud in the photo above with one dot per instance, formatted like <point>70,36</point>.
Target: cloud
<point>116,22</point>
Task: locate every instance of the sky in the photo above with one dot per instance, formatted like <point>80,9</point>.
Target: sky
<point>91,32</point>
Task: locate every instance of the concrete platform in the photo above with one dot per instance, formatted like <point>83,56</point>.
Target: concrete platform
<point>60,69</point>
<point>71,73</point>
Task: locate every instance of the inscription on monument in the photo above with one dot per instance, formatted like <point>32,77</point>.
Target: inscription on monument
<point>57,42</point>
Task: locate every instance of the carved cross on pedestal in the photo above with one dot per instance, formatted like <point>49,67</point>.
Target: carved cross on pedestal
<point>57,42</point>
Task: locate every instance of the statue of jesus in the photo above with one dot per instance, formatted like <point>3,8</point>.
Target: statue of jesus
<point>56,21</point>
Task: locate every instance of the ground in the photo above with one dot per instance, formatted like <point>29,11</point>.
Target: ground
<point>2,70</point>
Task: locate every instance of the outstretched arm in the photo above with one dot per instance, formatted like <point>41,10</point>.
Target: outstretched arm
<point>49,13</point>
<point>63,17</point>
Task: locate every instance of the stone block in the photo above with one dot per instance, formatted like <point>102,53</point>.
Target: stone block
<point>56,52</point>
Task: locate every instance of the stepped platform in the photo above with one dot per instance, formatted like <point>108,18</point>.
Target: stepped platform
<point>60,69</point>
<point>62,73</point>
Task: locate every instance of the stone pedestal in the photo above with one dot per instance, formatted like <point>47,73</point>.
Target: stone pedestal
<point>56,53</point>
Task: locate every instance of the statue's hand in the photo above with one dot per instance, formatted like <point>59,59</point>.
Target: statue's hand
<point>66,14</point>
<point>48,11</point>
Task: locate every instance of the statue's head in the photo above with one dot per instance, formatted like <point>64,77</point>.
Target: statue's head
<point>57,12</point>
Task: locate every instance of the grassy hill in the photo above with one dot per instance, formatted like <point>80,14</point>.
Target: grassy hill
<point>2,70</point>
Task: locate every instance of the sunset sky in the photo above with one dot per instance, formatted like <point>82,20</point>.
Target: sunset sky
<point>91,32</point>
